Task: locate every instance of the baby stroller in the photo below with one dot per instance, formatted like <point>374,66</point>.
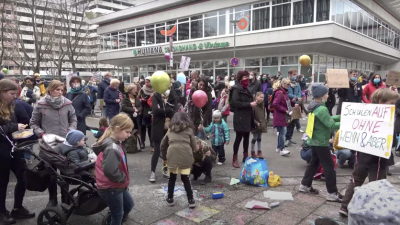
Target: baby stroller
<point>82,199</point>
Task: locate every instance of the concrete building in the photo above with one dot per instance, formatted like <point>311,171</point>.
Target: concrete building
<point>270,36</point>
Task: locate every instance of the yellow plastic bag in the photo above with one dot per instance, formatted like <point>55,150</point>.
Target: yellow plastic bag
<point>310,124</point>
<point>274,180</point>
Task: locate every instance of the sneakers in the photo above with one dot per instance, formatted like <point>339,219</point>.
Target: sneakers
<point>300,131</point>
<point>192,203</point>
<point>334,197</point>
<point>284,152</point>
<point>170,201</point>
<point>220,163</point>
<point>343,211</point>
<point>22,213</point>
<point>6,218</point>
<point>152,177</point>
<point>206,180</point>
<point>306,189</point>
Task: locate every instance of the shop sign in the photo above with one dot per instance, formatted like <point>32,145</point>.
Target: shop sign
<point>148,51</point>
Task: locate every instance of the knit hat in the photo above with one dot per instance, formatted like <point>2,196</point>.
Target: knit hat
<point>148,78</point>
<point>74,137</point>
<point>216,114</point>
<point>318,90</point>
<point>2,76</point>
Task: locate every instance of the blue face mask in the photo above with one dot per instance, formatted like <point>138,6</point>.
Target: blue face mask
<point>376,80</point>
<point>353,78</point>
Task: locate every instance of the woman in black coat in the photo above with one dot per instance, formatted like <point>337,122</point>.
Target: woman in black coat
<point>242,103</point>
<point>80,102</point>
<point>164,107</point>
<point>331,101</point>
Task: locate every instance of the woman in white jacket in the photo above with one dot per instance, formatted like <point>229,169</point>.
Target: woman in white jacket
<point>30,93</point>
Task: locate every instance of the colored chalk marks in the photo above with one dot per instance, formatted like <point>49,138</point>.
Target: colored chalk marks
<point>197,214</point>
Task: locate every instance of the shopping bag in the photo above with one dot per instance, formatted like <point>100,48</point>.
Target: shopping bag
<point>274,180</point>
<point>255,172</point>
<point>320,171</point>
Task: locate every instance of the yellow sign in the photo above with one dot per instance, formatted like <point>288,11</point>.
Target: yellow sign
<point>310,124</point>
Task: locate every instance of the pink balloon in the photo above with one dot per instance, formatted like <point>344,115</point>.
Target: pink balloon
<point>199,98</point>
<point>167,56</point>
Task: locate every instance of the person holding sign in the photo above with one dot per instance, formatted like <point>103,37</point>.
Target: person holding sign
<point>322,125</point>
<point>352,94</point>
<point>374,84</point>
<point>367,165</point>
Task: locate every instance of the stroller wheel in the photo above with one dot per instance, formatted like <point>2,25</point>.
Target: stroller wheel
<point>106,219</point>
<point>51,216</point>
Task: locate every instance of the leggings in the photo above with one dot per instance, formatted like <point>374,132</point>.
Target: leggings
<point>156,156</point>
<point>186,184</point>
<point>238,139</point>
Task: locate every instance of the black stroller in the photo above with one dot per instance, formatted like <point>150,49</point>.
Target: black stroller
<point>82,199</point>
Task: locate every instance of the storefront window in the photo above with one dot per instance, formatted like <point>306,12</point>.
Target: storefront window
<point>142,68</point>
<point>290,60</point>
<point>140,38</point>
<point>323,7</point>
<point>272,70</point>
<point>161,67</point>
<point>260,19</point>
<point>196,29</point>
<point>151,68</point>
<point>131,40</point>
<point>210,27</point>
<point>114,41</point>
<point>207,64</point>
<point>252,62</point>
<point>194,65</point>
<point>183,31</point>
<point>221,64</point>
<point>221,72</point>
<point>303,12</point>
<point>150,35</point>
<point>270,61</point>
<point>122,40</point>
<point>280,14</point>
<point>160,38</point>
<point>209,72</point>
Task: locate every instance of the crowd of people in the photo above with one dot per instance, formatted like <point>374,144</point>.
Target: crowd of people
<point>178,130</point>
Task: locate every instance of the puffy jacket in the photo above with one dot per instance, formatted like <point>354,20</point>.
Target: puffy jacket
<point>223,105</point>
<point>78,155</point>
<point>110,96</point>
<point>30,95</point>
<point>219,133</point>
<point>111,165</point>
<point>369,89</point>
<point>294,92</point>
<point>177,147</point>
<point>324,124</point>
<point>46,119</point>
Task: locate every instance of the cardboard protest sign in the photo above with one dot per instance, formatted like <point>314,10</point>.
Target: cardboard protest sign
<point>337,78</point>
<point>367,128</point>
<point>393,78</point>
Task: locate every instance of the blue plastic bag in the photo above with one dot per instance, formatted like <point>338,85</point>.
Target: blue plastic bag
<point>255,172</point>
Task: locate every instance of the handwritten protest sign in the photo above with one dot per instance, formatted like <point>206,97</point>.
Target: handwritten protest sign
<point>393,78</point>
<point>367,128</point>
<point>337,78</point>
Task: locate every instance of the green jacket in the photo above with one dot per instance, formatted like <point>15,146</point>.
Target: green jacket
<point>324,124</point>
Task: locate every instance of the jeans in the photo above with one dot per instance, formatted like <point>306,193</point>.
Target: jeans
<point>104,112</point>
<point>220,151</point>
<point>205,168</point>
<point>290,129</point>
<point>298,126</point>
<point>321,155</point>
<point>186,184</point>
<point>256,138</point>
<point>238,139</point>
<point>281,137</point>
<point>155,156</point>
<point>343,155</point>
<point>120,203</point>
<point>306,154</point>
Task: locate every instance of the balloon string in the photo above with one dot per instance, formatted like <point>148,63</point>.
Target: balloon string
<point>201,116</point>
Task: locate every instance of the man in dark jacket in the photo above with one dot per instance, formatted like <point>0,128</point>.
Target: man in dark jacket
<point>93,94</point>
<point>111,98</point>
<point>219,86</point>
<point>254,84</point>
<point>100,92</point>
<point>352,94</point>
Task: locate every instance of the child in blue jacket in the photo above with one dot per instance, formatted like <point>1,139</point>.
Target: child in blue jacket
<point>220,136</point>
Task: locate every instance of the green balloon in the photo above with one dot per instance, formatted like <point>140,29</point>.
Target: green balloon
<point>5,70</point>
<point>160,81</point>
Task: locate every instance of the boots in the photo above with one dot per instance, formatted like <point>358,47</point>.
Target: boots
<point>235,161</point>
<point>259,154</point>
<point>245,155</point>
<point>253,154</point>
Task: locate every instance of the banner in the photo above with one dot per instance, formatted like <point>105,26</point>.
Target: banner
<point>337,78</point>
<point>367,128</point>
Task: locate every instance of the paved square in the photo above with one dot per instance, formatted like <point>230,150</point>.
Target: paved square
<point>198,214</point>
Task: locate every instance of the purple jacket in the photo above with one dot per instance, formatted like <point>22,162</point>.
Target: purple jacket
<point>280,107</point>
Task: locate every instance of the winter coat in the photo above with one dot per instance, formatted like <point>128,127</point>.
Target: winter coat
<point>46,119</point>
<point>200,154</point>
<point>219,133</point>
<point>324,125</point>
<point>110,96</point>
<point>93,92</point>
<point>77,154</point>
<point>146,108</point>
<point>397,121</point>
<point>8,127</point>
<point>223,105</point>
<point>347,95</point>
<point>160,112</point>
<point>177,147</point>
<point>175,87</point>
<point>30,95</point>
<point>369,89</point>
<point>259,117</point>
<point>280,105</point>
<point>82,107</point>
<point>111,166</point>
<point>254,87</point>
<point>100,132</point>
<point>294,92</point>
<point>218,88</point>
<point>194,111</point>
<point>331,101</point>
<point>126,107</point>
<point>243,117</point>
<point>303,84</point>
<point>101,88</point>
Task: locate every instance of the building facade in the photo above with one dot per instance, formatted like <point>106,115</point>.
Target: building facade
<point>270,36</point>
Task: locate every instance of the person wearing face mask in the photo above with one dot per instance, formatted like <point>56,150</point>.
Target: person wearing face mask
<point>351,94</point>
<point>374,84</point>
<point>164,107</point>
<point>295,96</point>
<point>112,99</point>
<point>80,102</point>
<point>324,125</point>
<point>103,85</point>
<point>40,84</point>
<point>53,114</point>
<point>254,84</point>
<point>241,103</point>
<point>31,92</point>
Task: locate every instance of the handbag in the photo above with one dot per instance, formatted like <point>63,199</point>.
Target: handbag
<point>288,118</point>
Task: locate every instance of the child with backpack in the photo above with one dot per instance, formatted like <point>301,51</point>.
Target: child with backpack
<point>260,123</point>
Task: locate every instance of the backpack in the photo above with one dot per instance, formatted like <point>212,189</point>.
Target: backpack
<point>271,101</point>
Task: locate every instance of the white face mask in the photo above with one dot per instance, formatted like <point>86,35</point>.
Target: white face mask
<point>167,92</point>
<point>251,77</point>
<point>76,86</point>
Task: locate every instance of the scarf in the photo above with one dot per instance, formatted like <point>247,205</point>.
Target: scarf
<point>354,83</point>
<point>55,102</point>
<point>76,91</point>
<point>147,91</point>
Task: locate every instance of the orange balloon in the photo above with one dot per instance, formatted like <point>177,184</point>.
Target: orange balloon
<point>305,60</point>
